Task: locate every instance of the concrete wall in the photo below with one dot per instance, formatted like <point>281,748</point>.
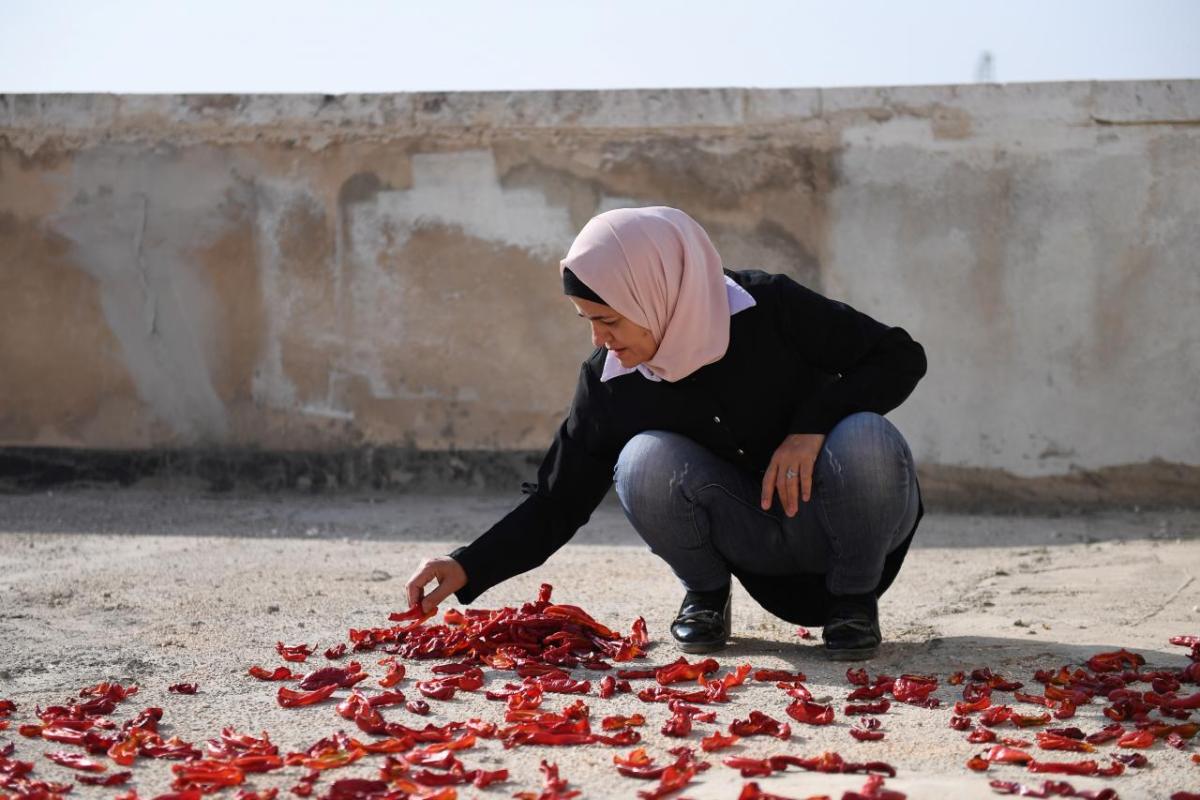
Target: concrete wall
<point>327,272</point>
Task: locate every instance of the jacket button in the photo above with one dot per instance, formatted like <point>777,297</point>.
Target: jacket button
<point>741,452</point>
<point>717,420</point>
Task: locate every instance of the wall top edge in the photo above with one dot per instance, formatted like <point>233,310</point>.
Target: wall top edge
<point>1096,102</point>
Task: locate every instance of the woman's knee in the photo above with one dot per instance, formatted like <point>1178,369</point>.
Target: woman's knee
<point>649,469</point>
<point>866,451</point>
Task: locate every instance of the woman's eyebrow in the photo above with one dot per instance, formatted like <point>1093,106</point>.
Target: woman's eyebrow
<point>596,316</point>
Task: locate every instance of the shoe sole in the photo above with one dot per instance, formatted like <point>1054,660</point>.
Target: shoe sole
<point>700,647</point>
<point>859,654</point>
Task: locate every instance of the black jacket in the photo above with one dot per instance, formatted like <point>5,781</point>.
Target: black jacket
<point>797,363</point>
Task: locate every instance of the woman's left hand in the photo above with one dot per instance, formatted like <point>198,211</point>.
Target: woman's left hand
<point>791,470</point>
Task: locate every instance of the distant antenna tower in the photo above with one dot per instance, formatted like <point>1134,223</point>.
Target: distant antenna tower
<point>985,70</point>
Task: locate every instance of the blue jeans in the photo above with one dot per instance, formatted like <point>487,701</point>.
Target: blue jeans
<point>702,514</point>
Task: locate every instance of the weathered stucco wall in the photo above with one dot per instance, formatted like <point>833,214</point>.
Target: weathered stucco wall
<point>308,272</point>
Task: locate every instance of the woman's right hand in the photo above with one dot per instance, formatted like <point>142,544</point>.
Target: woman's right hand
<point>449,575</point>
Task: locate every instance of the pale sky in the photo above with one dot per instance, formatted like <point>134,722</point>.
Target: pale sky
<point>135,46</point>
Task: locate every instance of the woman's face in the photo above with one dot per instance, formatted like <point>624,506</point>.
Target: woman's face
<point>630,343</point>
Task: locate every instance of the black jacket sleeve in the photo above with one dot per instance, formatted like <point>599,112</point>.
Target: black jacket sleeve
<point>572,480</point>
<point>877,367</point>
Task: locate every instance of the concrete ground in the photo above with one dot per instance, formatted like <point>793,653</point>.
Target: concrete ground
<point>162,585</point>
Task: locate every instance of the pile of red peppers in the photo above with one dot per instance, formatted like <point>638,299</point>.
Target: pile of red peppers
<point>537,647</point>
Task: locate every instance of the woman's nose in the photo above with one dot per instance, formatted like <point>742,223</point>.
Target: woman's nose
<point>598,335</point>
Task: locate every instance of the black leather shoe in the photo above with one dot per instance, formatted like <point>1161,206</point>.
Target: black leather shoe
<point>852,632</point>
<point>703,622</point>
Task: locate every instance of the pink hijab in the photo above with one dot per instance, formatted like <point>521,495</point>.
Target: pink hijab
<point>657,267</point>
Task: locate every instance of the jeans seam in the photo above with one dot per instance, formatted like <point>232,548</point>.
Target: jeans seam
<point>708,540</point>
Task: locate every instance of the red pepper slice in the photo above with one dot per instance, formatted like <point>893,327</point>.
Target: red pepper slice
<point>717,741</point>
<point>290,698</point>
<point>1050,740</point>
<point>279,674</point>
<point>295,652</point>
<point>112,779</point>
<point>1065,767</point>
<point>435,690</point>
<point>1139,739</point>
<point>75,761</point>
<point>679,725</point>
<point>184,688</point>
<point>749,767</point>
<point>1115,661</point>
<point>343,677</point>
<point>880,707</point>
<point>772,675</point>
<point>205,773</point>
<point>683,671</point>
<point>981,736</point>
<point>760,724</point>
<point>1008,755</point>
<point>866,735</point>
<point>810,713</point>
<point>395,674</point>
<point>914,689</point>
<point>963,707</point>
<point>618,722</point>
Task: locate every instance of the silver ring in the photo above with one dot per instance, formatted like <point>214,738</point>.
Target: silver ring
<point>791,473</point>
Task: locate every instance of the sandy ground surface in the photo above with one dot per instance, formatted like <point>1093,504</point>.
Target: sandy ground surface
<point>161,586</point>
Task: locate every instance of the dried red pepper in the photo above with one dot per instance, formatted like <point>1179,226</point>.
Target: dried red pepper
<point>184,688</point>
<point>112,779</point>
<point>206,773</point>
<point>294,652</point>
<point>717,741</point>
<point>1051,740</point>
<point>810,713</point>
<point>1008,755</point>
<point>341,677</point>
<point>759,724</point>
<point>978,763</point>
<point>278,674</point>
<point>418,707</point>
<point>75,761</point>
<point>880,707</point>
<point>290,698</point>
<point>981,736</point>
<point>1137,739</point>
<point>749,767</point>
<point>1107,733</point>
<point>773,675</point>
<point>683,671</point>
<point>678,725</point>
<point>1050,789</point>
<point>867,729</point>
<point>553,787</point>
<point>1115,661</point>
<point>395,674</point>
<point>616,722</point>
<point>915,689</point>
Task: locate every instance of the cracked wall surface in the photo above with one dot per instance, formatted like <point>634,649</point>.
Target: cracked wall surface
<point>330,272</point>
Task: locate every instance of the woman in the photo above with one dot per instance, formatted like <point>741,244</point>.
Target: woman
<point>739,416</point>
